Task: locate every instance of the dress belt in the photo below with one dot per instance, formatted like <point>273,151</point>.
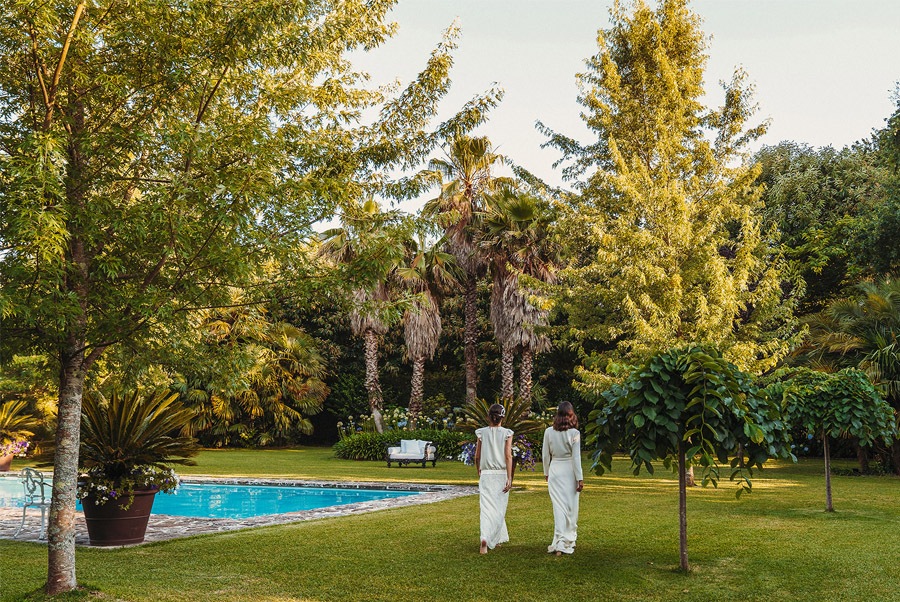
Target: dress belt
<point>493,471</point>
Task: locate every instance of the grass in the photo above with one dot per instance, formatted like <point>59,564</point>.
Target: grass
<point>775,544</point>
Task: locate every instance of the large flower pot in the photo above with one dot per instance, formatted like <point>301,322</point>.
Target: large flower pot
<point>110,525</point>
<point>5,462</point>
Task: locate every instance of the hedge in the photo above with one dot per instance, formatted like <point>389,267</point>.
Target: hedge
<point>372,446</point>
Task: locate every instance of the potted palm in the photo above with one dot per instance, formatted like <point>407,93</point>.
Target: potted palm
<point>15,429</point>
<point>128,443</point>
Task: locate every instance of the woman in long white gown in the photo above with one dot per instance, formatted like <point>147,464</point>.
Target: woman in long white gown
<point>493,458</point>
<point>562,471</point>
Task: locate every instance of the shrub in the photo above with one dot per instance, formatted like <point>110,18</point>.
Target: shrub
<point>372,446</point>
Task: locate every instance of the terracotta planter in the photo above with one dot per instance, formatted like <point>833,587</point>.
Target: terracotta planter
<point>110,525</point>
<point>5,462</point>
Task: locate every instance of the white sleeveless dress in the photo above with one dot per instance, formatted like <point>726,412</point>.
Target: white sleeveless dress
<point>562,465</point>
<point>493,499</point>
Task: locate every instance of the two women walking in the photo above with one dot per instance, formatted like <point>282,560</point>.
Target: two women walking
<point>562,470</point>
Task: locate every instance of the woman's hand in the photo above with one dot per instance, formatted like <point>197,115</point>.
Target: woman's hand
<point>508,485</point>
<point>579,486</point>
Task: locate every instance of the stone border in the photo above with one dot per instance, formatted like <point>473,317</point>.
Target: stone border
<point>164,527</point>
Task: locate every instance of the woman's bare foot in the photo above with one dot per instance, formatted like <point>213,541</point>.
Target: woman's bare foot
<point>483,549</point>
<point>558,553</point>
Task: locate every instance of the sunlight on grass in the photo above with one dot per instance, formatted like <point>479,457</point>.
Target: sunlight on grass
<point>774,544</point>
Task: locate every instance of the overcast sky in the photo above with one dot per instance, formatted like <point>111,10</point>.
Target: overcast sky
<point>824,70</point>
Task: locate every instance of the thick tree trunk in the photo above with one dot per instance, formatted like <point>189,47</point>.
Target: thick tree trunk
<point>471,338</point>
<point>828,505</point>
<point>682,507</point>
<point>506,372</point>
<point>418,391</point>
<point>61,526</point>
<point>525,371</point>
<point>373,386</point>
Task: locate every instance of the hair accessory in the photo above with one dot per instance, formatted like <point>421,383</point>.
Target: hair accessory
<point>502,412</point>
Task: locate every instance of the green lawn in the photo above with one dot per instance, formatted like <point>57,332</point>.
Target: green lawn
<point>775,544</point>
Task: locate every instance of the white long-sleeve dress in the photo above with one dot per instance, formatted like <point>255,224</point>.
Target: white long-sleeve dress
<point>562,465</point>
<point>492,498</point>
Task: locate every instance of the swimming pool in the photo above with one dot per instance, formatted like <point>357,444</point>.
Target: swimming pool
<point>222,500</point>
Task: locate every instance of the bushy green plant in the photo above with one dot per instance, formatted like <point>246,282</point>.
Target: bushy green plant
<point>519,417</point>
<point>15,422</point>
<point>372,446</point>
<point>128,441</point>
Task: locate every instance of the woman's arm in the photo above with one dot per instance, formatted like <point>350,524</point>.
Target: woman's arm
<point>478,455</point>
<point>546,458</point>
<point>576,462</point>
<point>507,451</point>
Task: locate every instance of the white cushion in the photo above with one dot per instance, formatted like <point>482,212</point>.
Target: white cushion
<point>410,446</point>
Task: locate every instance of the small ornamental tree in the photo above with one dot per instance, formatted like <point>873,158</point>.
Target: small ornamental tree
<point>688,403</point>
<point>839,404</point>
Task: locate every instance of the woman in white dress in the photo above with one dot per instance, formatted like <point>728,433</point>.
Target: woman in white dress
<point>493,458</point>
<point>562,471</point>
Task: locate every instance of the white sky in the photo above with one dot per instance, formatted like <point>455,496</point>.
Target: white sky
<point>823,69</point>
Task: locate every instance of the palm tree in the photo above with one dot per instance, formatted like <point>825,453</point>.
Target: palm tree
<point>430,274</point>
<point>465,176</point>
<point>861,332</point>
<point>279,384</point>
<point>367,242</point>
<point>514,237</point>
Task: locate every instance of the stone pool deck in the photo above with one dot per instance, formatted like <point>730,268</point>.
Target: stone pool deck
<point>162,527</point>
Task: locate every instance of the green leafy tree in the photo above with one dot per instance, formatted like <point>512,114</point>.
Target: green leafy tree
<point>154,155</point>
<point>253,380</point>
<point>819,201</point>
<point>686,403</point>
<point>664,235</point>
<point>839,404</point>
<point>861,332</point>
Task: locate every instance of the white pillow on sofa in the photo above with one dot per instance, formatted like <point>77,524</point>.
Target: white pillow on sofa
<point>409,446</point>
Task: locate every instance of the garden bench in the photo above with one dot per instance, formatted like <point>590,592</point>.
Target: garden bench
<point>411,451</point>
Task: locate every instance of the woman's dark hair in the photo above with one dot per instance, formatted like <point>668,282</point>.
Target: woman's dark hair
<point>496,413</point>
<point>565,417</point>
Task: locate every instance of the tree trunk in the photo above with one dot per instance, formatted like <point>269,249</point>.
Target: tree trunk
<point>689,477</point>
<point>895,457</point>
<point>373,386</point>
<point>61,525</point>
<point>506,372</point>
<point>417,393</point>
<point>682,507</point>
<point>828,505</point>
<point>862,456</point>
<point>525,371</point>
<point>471,338</point>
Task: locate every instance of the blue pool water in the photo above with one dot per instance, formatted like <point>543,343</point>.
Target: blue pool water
<point>217,500</point>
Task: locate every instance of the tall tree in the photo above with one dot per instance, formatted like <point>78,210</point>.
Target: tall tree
<point>465,175</point>
<point>153,155</point>
<point>429,274</point>
<point>818,201</point>
<point>514,237</point>
<point>369,237</point>
<point>665,238</point>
